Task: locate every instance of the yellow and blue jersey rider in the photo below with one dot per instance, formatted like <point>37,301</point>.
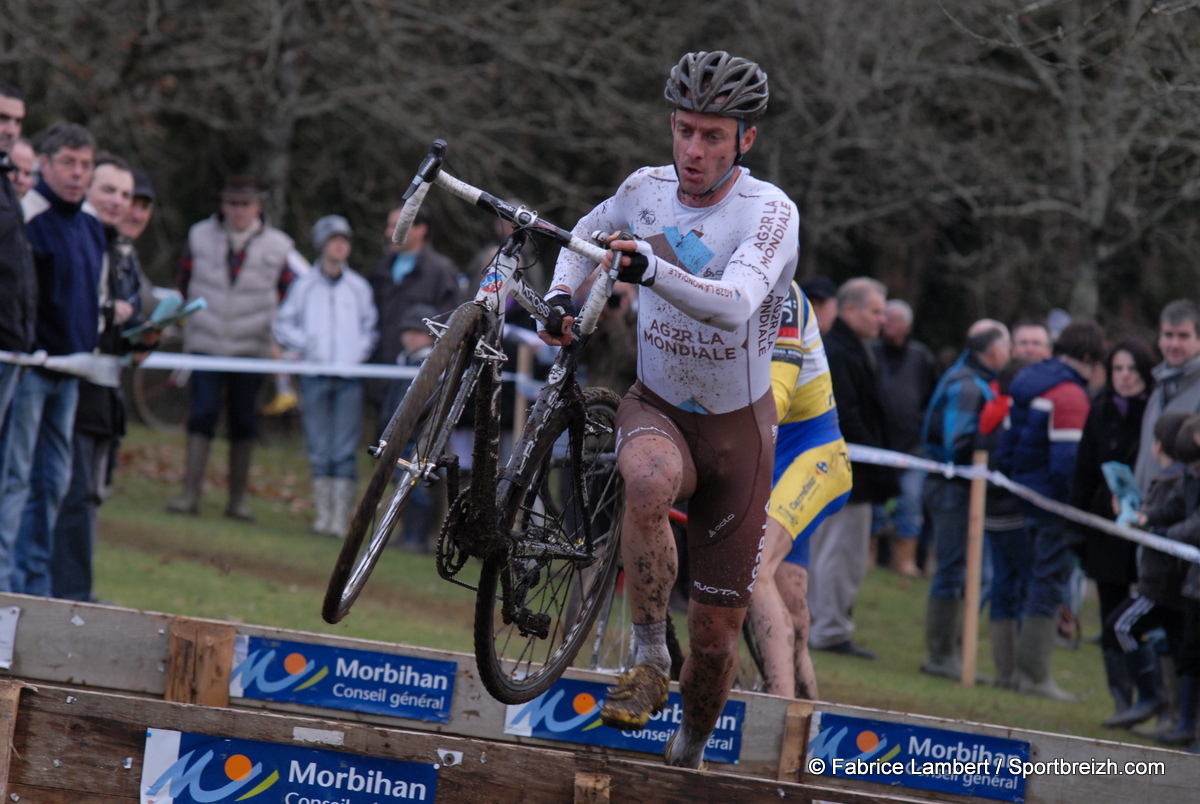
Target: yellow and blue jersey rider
<point>812,477</point>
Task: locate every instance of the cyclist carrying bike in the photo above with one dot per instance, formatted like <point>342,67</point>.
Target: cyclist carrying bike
<point>715,251</point>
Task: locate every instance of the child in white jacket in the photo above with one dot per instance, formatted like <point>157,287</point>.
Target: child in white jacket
<point>329,317</point>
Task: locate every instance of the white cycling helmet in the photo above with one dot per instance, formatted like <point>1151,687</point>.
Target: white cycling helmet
<point>717,83</point>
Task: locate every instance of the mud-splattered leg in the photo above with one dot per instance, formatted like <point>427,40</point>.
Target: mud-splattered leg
<point>770,618</point>
<point>792,581</point>
<point>713,634</point>
<point>652,468</point>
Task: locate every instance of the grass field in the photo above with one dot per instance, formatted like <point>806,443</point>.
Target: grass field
<point>273,573</point>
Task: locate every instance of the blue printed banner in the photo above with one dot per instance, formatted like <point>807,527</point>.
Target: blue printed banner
<point>342,678</point>
<point>570,712</point>
<point>917,757</point>
<point>198,769</point>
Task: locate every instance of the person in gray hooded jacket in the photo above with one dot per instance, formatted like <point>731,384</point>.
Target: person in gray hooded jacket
<point>329,317</point>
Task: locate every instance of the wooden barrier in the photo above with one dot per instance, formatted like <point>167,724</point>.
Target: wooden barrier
<point>135,666</point>
<point>75,745</point>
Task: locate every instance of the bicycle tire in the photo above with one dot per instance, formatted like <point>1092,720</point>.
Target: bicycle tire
<point>751,672</point>
<point>422,417</point>
<point>516,665</point>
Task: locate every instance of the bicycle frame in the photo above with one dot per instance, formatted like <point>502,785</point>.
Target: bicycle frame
<point>524,219</point>
<point>502,278</point>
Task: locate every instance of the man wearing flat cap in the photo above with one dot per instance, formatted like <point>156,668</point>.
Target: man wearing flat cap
<point>242,267</point>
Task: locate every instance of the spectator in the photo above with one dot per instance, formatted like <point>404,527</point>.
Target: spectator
<point>408,274</point>
<point>134,224</point>
<point>1112,433</point>
<point>24,163</point>
<point>1178,378</point>
<point>907,376</point>
<point>1156,602</point>
<point>1178,518</point>
<point>822,292</point>
<point>100,414</point>
<point>840,546</point>
<point>1030,341</point>
<point>68,253</point>
<point>1006,536</point>
<point>1050,407</point>
<point>18,283</point>
<point>329,317</point>
<point>950,434</point>
<point>242,267</point>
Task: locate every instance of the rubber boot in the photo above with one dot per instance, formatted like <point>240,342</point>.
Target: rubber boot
<point>904,557</point>
<point>193,479</point>
<point>943,629</point>
<point>323,503</point>
<point>345,497</point>
<point>1004,653</point>
<point>1143,666</point>
<point>1184,732</point>
<point>1035,651</point>
<point>1120,685</point>
<point>239,475</point>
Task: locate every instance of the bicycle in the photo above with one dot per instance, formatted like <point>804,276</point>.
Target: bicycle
<point>544,566</point>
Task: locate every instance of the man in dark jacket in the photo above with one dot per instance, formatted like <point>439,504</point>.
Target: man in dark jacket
<point>840,546</point>
<point>18,284</point>
<point>68,254</point>
<point>409,274</point>
<point>1050,407</point>
<point>950,435</point>
<point>907,376</point>
<point>100,415</point>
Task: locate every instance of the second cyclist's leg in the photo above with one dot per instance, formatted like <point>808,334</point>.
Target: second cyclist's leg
<point>770,618</point>
<point>792,580</point>
<point>653,469</point>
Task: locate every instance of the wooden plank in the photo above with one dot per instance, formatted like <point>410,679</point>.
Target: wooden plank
<point>10,699</point>
<point>592,788</point>
<point>794,746</point>
<point>103,647</point>
<point>199,661</point>
<point>90,745</point>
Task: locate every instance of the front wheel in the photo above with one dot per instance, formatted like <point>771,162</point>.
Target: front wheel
<point>537,600</point>
<point>424,420</point>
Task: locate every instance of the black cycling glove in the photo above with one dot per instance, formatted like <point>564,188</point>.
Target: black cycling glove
<point>642,268</point>
<point>561,306</point>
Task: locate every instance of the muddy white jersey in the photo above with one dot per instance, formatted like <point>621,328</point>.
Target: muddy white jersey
<point>708,324</point>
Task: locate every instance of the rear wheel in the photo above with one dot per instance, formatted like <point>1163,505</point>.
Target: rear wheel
<point>538,599</point>
<point>425,419</point>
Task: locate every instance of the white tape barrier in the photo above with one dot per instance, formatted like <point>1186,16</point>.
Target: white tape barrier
<point>899,460</point>
<point>100,369</point>
<point>528,386</point>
